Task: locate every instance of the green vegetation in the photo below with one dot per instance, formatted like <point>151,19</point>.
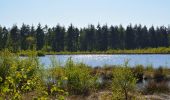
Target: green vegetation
<point>160,50</point>
<point>20,77</point>
<point>26,77</point>
<point>159,83</point>
<point>80,80</point>
<point>124,82</point>
<point>17,76</point>
<point>136,39</point>
<point>113,39</point>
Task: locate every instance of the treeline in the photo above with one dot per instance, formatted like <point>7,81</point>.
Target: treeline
<point>91,38</point>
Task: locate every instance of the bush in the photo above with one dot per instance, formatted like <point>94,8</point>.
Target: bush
<point>159,74</point>
<point>40,53</point>
<point>123,83</point>
<point>139,72</point>
<point>55,78</point>
<point>17,75</point>
<point>80,81</point>
<point>20,76</point>
<point>154,87</point>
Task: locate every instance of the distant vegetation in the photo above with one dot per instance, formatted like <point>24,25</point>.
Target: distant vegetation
<point>160,50</point>
<point>107,39</point>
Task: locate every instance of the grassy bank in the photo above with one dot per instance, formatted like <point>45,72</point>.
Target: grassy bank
<point>27,78</point>
<point>161,50</point>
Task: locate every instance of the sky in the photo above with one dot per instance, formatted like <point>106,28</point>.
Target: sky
<point>83,12</point>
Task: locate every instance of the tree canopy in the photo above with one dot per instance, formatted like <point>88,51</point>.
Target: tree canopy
<point>91,38</point>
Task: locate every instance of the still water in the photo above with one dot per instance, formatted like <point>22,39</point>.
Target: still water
<point>100,60</point>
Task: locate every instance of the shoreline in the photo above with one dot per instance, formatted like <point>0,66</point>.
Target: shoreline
<point>146,51</point>
<point>110,54</point>
<point>48,54</point>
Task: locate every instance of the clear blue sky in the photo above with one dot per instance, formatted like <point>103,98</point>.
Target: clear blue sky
<point>83,12</point>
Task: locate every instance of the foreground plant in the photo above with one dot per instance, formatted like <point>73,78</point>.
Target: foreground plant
<point>123,83</point>
<point>80,80</point>
<point>20,77</point>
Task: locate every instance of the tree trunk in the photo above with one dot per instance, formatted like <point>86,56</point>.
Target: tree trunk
<point>126,95</point>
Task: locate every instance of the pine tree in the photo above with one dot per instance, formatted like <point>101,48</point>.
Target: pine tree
<point>130,38</point>
<point>153,37</point>
<point>25,31</point>
<point>1,38</point>
<point>5,38</point>
<point>59,33</point>
<point>14,42</point>
<point>40,37</point>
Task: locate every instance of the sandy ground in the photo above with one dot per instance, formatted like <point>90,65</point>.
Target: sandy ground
<point>158,97</point>
<point>106,95</point>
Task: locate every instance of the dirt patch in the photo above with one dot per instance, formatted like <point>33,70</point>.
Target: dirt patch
<point>107,95</point>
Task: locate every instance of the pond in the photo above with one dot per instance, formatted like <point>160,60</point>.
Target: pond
<point>156,60</point>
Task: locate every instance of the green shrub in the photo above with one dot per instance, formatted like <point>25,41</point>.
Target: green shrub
<point>123,83</point>
<point>18,75</point>
<point>139,72</point>
<point>55,79</point>
<point>80,81</point>
<point>21,76</point>
<point>40,53</point>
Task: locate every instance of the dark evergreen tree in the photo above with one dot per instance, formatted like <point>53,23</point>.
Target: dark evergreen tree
<point>99,38</point>
<point>139,36</point>
<point>104,38</point>
<point>153,37</point>
<point>121,32</point>
<point>14,42</point>
<point>46,46</point>
<point>72,38</point>
<point>83,40</point>
<point>31,39</point>
<point>59,33</point>
<point>164,36</point>
<point>25,32</point>
<point>114,38</point>
<point>144,39</point>
<point>51,39</point>
<point>168,31</point>
<point>130,38</point>
<point>76,39</point>
<point>5,39</point>
<point>90,37</point>
<point>1,38</point>
<point>40,37</point>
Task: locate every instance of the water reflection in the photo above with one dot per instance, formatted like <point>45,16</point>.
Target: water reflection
<point>101,60</point>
